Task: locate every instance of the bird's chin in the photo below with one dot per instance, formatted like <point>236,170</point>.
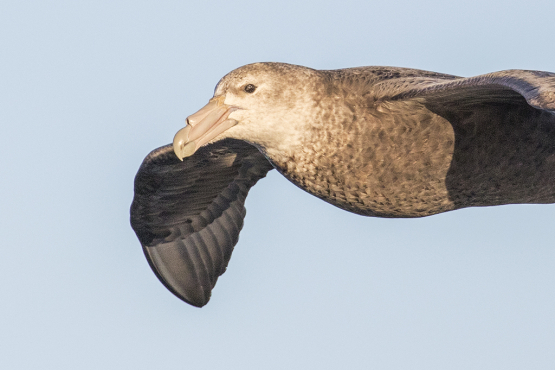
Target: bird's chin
<point>203,126</point>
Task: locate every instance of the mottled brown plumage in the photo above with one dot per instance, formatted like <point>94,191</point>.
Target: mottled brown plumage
<point>376,141</point>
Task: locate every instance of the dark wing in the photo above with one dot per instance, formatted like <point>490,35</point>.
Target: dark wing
<point>504,132</point>
<point>509,87</point>
<point>188,215</point>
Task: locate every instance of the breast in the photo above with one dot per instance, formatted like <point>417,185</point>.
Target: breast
<point>389,160</point>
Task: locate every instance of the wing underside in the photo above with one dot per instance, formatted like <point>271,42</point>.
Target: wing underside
<point>188,215</point>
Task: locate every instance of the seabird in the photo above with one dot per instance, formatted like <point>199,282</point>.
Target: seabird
<point>376,141</point>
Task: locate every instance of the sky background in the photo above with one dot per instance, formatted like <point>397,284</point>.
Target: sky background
<point>88,88</point>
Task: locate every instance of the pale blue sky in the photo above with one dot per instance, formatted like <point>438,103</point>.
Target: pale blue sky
<point>88,88</point>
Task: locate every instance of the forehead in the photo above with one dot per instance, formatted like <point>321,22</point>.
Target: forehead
<point>254,73</point>
<point>241,75</point>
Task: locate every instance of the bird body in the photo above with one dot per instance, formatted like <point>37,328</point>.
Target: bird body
<point>402,159</point>
<point>383,164</point>
<point>376,141</point>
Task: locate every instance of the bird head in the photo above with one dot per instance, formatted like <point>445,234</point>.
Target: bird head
<point>262,103</point>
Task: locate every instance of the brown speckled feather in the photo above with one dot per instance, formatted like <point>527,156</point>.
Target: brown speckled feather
<point>414,144</point>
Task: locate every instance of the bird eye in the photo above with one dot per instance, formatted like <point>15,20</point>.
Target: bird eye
<point>250,88</point>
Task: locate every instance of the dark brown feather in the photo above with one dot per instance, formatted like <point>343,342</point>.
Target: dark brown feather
<point>188,214</point>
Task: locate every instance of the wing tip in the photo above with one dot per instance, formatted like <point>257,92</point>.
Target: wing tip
<point>177,274</point>
<point>194,303</point>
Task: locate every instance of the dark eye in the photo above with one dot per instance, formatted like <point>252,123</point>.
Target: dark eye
<point>250,88</point>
